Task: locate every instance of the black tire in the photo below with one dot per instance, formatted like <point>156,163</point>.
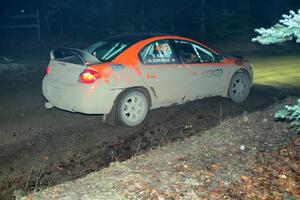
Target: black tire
<point>132,107</point>
<point>239,87</point>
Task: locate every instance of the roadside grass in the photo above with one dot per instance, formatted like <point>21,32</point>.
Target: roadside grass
<point>276,65</point>
<point>277,70</point>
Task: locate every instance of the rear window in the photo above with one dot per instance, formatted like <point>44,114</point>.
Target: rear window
<point>107,50</point>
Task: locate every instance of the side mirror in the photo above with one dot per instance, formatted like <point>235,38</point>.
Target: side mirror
<point>219,58</point>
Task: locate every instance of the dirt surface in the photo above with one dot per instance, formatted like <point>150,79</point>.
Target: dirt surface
<point>245,157</point>
<point>41,147</point>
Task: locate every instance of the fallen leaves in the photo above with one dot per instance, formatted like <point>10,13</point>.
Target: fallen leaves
<point>273,175</point>
<point>271,178</point>
<point>297,141</point>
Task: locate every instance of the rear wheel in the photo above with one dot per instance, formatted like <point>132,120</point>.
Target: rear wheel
<point>132,107</point>
<point>239,87</point>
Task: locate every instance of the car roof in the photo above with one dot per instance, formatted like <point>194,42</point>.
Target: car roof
<point>133,38</point>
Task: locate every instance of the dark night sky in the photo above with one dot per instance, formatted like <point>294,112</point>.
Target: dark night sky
<point>97,18</point>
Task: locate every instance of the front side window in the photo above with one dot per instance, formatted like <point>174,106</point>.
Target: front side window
<point>158,52</point>
<point>193,53</point>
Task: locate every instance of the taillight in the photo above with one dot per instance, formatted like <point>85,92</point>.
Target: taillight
<point>88,76</point>
<point>48,70</point>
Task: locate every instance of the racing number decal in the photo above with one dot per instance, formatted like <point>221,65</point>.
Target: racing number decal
<point>158,52</point>
<point>212,73</point>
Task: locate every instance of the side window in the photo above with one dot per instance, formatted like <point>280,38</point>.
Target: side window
<point>158,52</point>
<point>193,53</point>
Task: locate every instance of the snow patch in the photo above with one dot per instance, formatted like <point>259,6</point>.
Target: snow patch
<point>9,67</point>
<point>13,67</point>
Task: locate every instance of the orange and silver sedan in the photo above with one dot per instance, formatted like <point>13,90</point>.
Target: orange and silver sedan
<point>127,75</point>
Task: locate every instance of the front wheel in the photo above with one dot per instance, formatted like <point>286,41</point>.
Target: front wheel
<point>239,87</point>
<point>132,108</point>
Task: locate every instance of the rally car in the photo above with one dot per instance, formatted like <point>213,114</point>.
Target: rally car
<point>125,76</point>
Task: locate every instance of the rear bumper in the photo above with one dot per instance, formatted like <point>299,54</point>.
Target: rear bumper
<point>87,99</point>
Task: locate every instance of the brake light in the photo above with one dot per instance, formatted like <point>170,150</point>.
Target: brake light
<point>48,70</point>
<point>89,76</point>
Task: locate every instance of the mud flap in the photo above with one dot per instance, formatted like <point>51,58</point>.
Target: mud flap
<point>110,118</point>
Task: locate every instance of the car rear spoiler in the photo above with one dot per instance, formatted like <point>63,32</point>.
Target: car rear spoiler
<point>84,56</point>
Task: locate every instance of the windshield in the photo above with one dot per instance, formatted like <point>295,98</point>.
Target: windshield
<point>107,50</point>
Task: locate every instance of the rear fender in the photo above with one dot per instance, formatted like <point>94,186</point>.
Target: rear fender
<point>124,78</point>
